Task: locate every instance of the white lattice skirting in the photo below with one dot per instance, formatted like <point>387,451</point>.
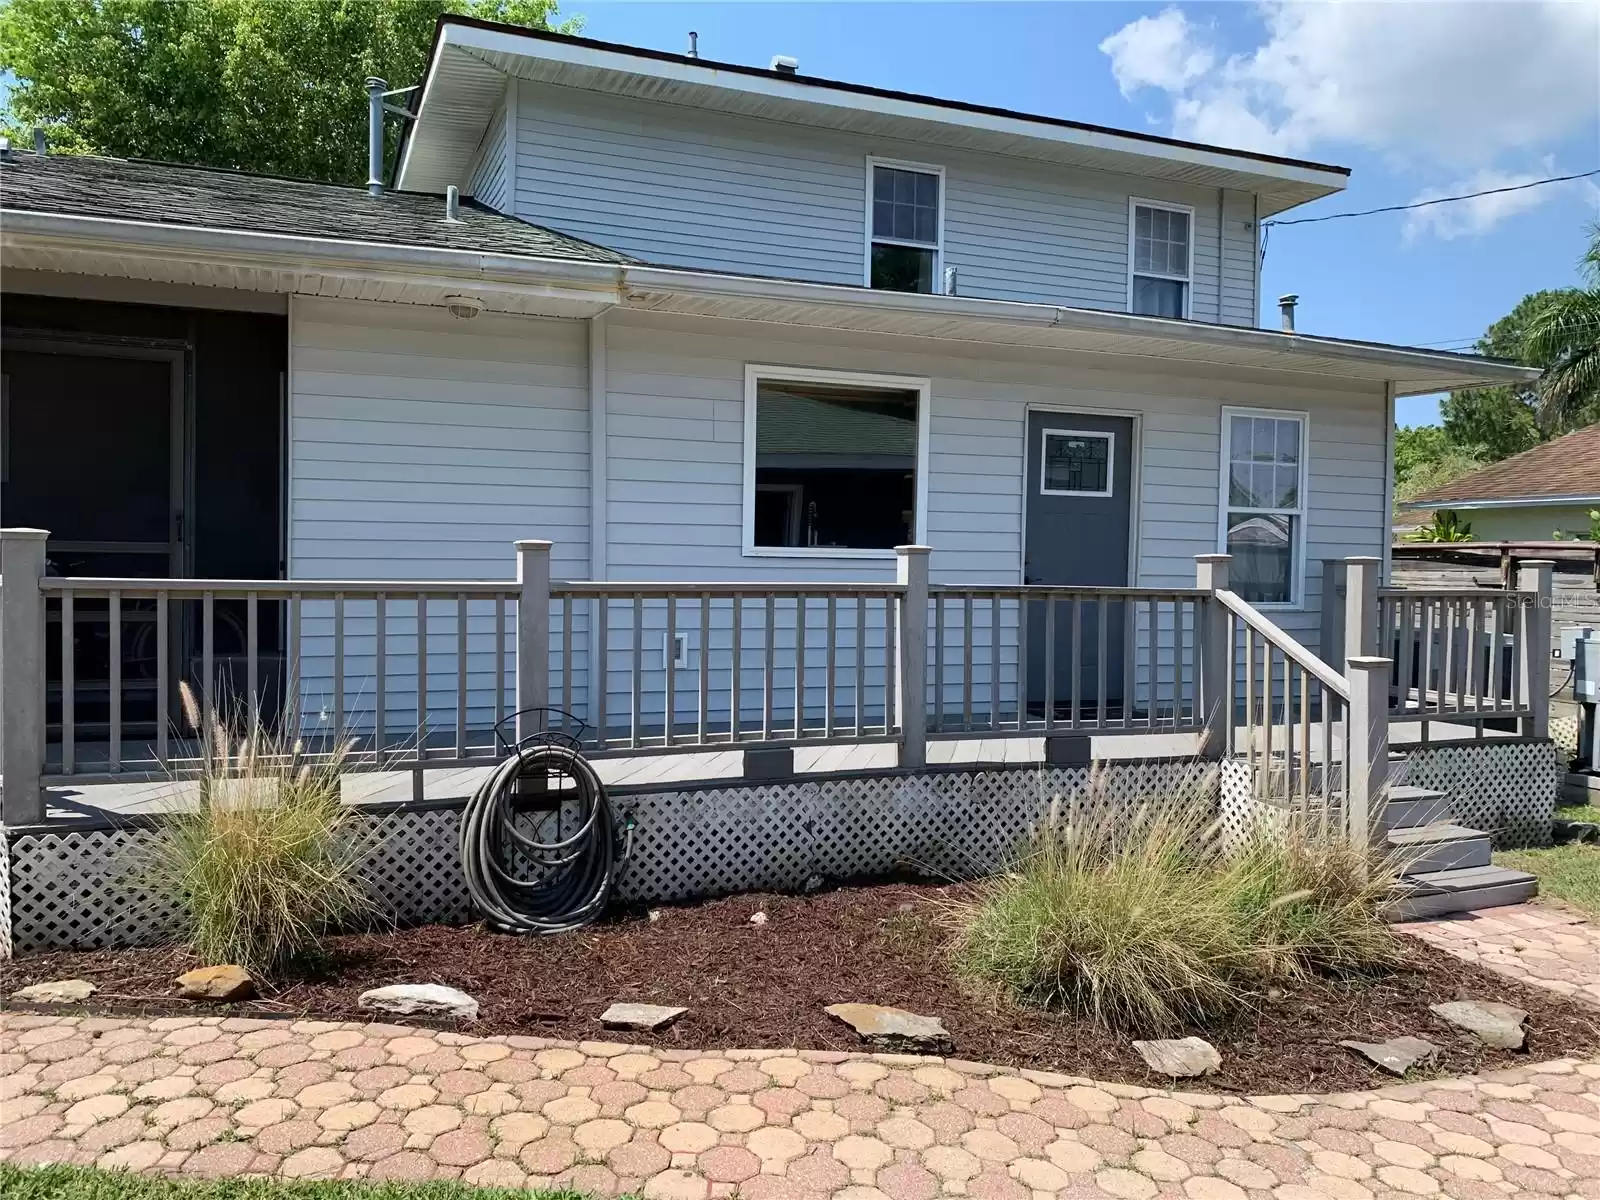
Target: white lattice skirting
<point>78,889</point>
<point>1507,788</point>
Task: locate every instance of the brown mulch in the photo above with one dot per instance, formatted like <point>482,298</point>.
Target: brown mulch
<point>765,985</point>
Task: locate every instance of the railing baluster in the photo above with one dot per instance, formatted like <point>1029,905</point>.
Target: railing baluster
<point>1406,624</point>
<point>295,666</point>
<point>600,670</point>
<point>1049,663</point>
<point>830,648</point>
<point>1496,624</point>
<point>799,665</point>
<point>994,662</point>
<point>114,650</point>
<point>704,680</point>
<point>380,683</point>
<point>208,643</point>
<point>1305,741</point>
<point>736,678</point>
<point>889,670</point>
<point>1102,708</point>
<point>567,670</point>
<point>163,700</point>
<point>938,664</point>
<point>338,665</point>
<point>1266,679</point>
<point>1327,757</point>
<point>252,661</point>
<point>766,668</point>
<point>636,671</point>
<point>1130,649</point>
<point>670,646</point>
<point>1425,675</point>
<point>422,676</point>
<point>966,662</point>
<point>461,678</point>
<point>861,666</point>
<point>69,688</point>
<point>1153,671</point>
<point>1249,692</point>
<point>1022,664</point>
<point>1074,664</point>
<point>1447,618</point>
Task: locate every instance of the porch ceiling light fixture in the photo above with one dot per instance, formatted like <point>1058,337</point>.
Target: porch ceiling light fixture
<point>463,308</point>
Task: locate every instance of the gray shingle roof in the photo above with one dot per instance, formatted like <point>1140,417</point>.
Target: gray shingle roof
<point>168,194</point>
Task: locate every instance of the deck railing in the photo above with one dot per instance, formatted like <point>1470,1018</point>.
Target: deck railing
<point>431,672</point>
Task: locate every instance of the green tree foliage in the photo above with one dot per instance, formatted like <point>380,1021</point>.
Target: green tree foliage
<point>1425,457</point>
<point>274,86</point>
<point>1564,338</point>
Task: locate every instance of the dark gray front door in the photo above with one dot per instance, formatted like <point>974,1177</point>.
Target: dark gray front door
<point>1080,505</point>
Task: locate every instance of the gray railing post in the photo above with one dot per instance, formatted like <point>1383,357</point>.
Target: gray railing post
<point>22,553</point>
<point>1360,631</point>
<point>911,653</point>
<point>1331,648</point>
<point>533,634</point>
<point>1367,754</point>
<point>1534,575</point>
<point>1216,656</point>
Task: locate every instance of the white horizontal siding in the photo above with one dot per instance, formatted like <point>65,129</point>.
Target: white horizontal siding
<point>488,178</point>
<point>707,190</point>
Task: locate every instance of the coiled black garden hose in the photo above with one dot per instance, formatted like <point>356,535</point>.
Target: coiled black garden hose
<point>569,880</point>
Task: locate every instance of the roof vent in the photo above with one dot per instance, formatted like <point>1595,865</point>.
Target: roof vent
<point>785,64</point>
<point>452,204</point>
<point>694,45</point>
<point>1286,306</point>
<point>5,147</point>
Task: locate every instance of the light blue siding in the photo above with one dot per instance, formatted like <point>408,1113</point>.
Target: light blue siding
<point>695,189</point>
<point>488,179</point>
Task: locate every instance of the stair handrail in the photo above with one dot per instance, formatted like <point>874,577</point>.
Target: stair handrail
<point>1285,642</point>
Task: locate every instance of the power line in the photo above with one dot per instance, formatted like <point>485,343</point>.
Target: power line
<point>1368,212</point>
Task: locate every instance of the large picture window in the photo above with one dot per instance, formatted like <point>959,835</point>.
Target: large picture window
<point>1263,501</point>
<point>1160,258</point>
<point>834,463</point>
<point>905,219</point>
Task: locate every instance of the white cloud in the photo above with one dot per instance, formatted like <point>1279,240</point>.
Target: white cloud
<point>1450,84</point>
<point>1472,218</point>
<point>1161,52</point>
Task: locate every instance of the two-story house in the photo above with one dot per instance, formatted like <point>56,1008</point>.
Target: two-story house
<point>691,320</point>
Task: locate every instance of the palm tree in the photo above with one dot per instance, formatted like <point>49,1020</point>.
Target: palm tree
<point>1564,337</point>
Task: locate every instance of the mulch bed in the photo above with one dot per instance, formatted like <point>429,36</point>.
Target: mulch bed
<point>765,985</point>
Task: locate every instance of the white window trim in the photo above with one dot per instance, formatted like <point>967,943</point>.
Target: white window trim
<point>1134,204</point>
<point>937,246</point>
<point>1110,437</point>
<point>1297,566</point>
<point>753,374</point>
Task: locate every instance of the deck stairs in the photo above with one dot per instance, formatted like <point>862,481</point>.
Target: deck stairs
<point>1447,865</point>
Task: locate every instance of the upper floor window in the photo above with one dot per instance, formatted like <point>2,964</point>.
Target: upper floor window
<point>905,220</point>
<point>1161,255</point>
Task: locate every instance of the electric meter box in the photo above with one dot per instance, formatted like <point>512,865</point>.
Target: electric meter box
<point>1581,647</point>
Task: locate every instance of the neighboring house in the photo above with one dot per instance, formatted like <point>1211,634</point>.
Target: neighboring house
<point>1539,495</point>
<point>697,321</point>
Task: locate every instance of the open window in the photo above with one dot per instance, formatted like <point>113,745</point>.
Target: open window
<point>905,221</point>
<point>1160,258</point>
<point>1263,503</point>
<point>835,463</point>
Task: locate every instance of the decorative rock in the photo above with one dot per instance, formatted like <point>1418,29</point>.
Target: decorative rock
<point>646,1017</point>
<point>216,983</point>
<point>894,1028</point>
<point>758,918</point>
<point>1492,1022</point>
<point>420,999</point>
<point>1180,1057</point>
<point>1397,1055</point>
<point>61,991</point>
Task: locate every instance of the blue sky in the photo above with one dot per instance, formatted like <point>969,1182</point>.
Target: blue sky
<point>1418,99</point>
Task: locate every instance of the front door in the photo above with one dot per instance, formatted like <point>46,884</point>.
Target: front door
<point>1080,510</point>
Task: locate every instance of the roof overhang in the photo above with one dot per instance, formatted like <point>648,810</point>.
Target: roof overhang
<point>563,287</point>
<point>1482,502</point>
<point>471,62</point>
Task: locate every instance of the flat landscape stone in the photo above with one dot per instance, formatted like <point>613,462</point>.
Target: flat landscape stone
<point>1489,1020</point>
<point>420,999</point>
<point>59,991</point>
<point>1397,1055</point>
<point>220,983</point>
<point>1180,1058</point>
<point>644,1017</point>
<point>894,1028</point>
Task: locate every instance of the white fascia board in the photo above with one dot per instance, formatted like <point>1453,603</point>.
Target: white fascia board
<point>1507,502</point>
<point>819,93</point>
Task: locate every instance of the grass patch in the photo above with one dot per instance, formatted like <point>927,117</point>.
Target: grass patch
<point>1147,924</point>
<point>1570,873</point>
<point>269,858</point>
<point>86,1183</point>
<point>1579,812</point>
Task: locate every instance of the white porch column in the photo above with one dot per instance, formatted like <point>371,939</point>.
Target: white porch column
<point>533,635</point>
<point>1535,575</point>
<point>1216,657</point>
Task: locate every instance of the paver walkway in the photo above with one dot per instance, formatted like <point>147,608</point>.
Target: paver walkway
<point>216,1096</point>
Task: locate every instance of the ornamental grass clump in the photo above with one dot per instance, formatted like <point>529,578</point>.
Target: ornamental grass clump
<point>268,860</point>
<point>1145,922</point>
